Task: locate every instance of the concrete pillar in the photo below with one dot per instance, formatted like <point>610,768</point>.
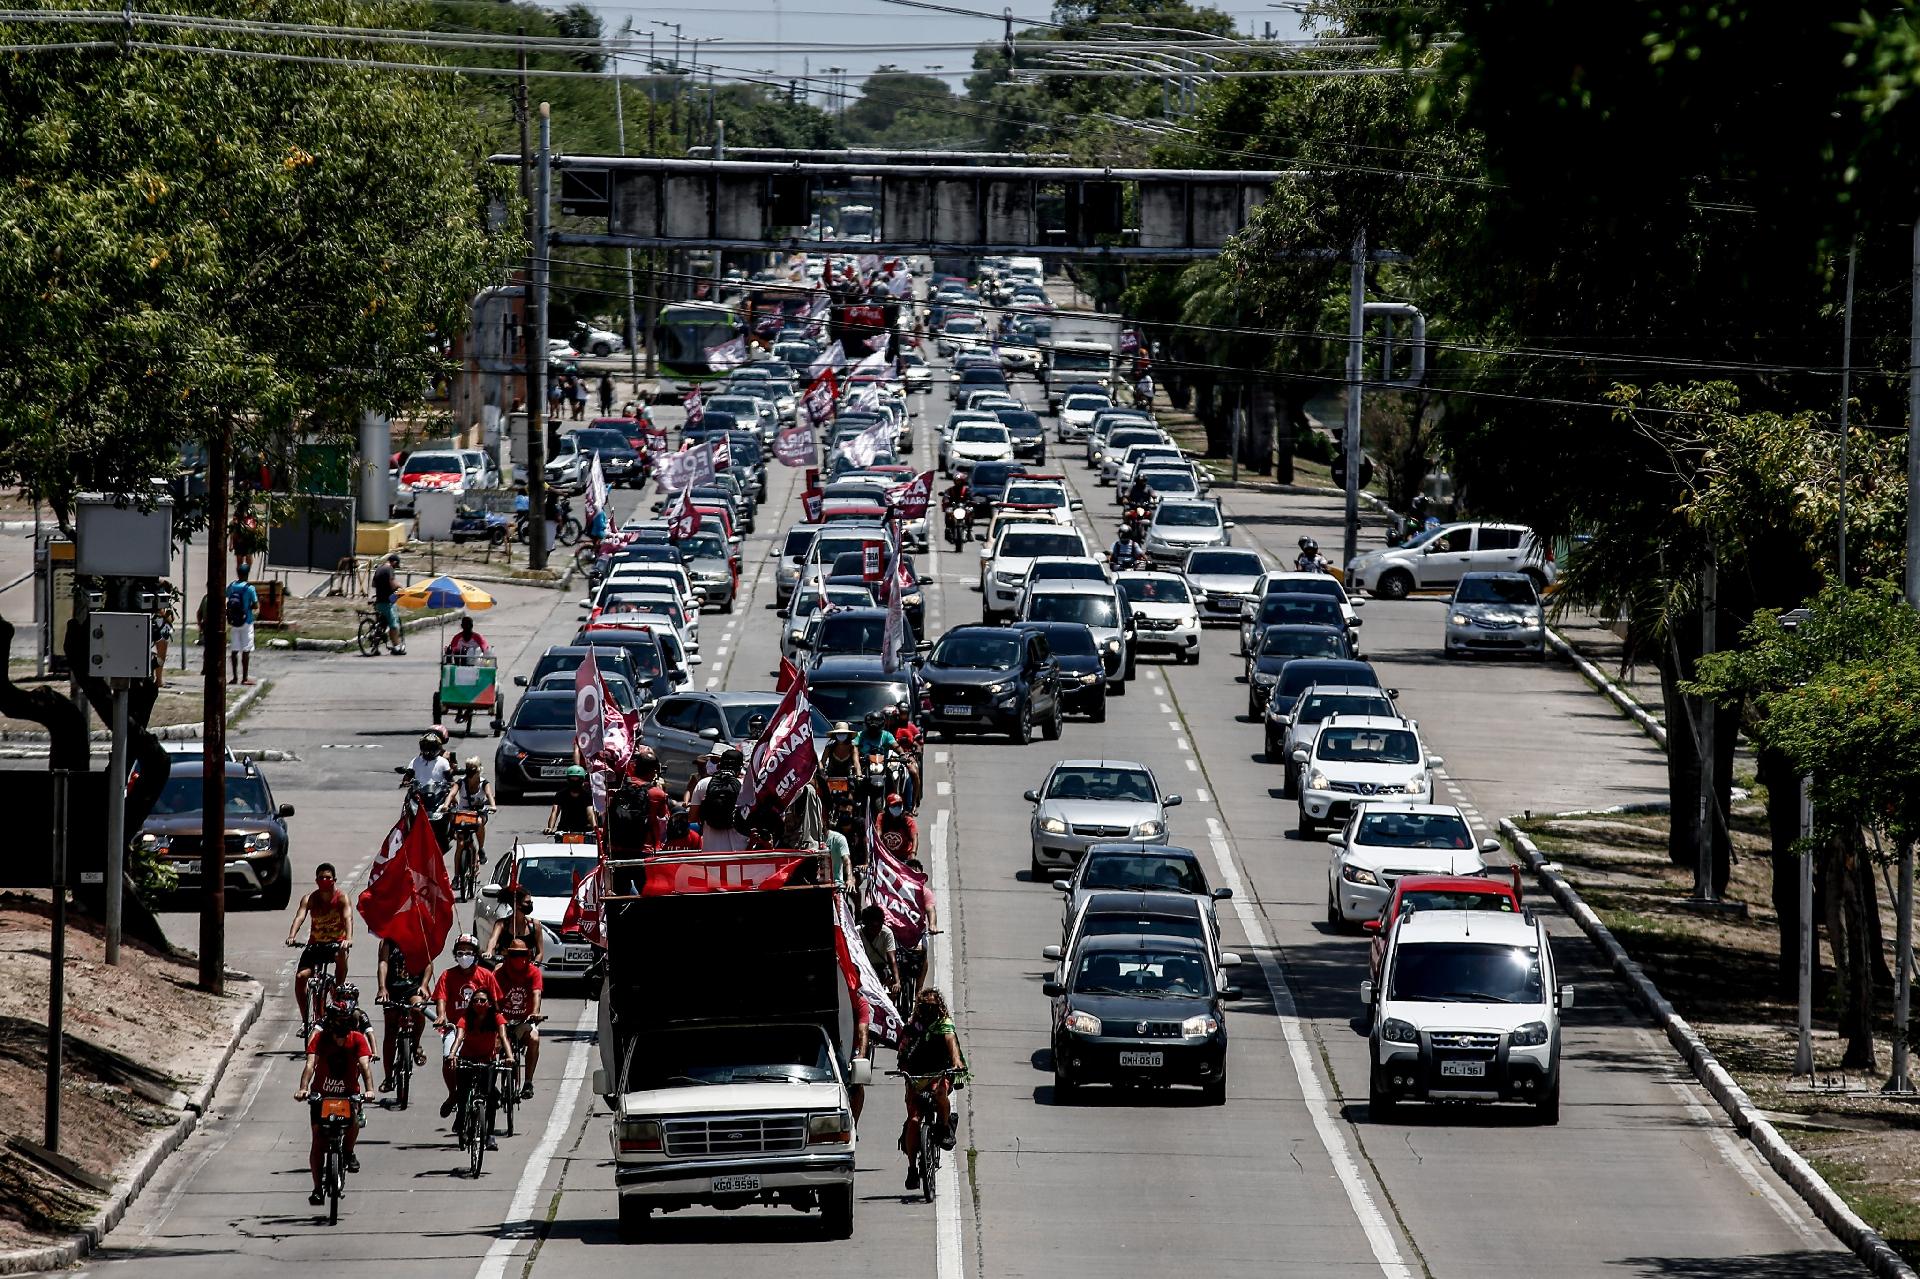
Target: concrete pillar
<point>373,491</point>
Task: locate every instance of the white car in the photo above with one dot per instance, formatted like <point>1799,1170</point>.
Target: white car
<point>1468,1009</point>
<point>1041,499</point>
<point>429,471</point>
<point>1359,757</point>
<point>1004,562</point>
<point>1103,449</point>
<point>1436,559</point>
<point>1383,842</point>
<point>548,872</point>
<point>1125,464</point>
<point>675,575</point>
<point>988,400</point>
<point>959,418</point>
<point>962,333</point>
<point>1291,729</point>
<point>644,601</point>
<point>1076,416</point>
<point>1046,569</point>
<point>595,341</point>
<point>1291,582</point>
<point>917,375</point>
<point>1166,620</point>
<point>1223,581</point>
<point>976,442</point>
<point>1180,528</point>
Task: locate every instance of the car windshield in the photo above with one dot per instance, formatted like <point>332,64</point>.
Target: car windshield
<point>1036,494</point>
<point>544,712</point>
<point>747,720</point>
<point>850,700</point>
<point>434,464</point>
<point>1067,570</point>
<point>1170,482</point>
<point>1301,643</point>
<point>1104,924</point>
<point>981,434</point>
<point>1087,403</point>
<point>1188,515</point>
<point>1143,974</point>
<point>1319,584</point>
<point>1454,899</point>
<point>1071,641</point>
<point>964,324</point>
<point>245,797</point>
<point>735,404</point>
<point>1467,973</point>
<point>1414,830</point>
<point>1368,745</point>
<point>842,634</point>
<point>1155,590</point>
<point>704,546</point>
<point>659,605</point>
<point>1119,437</point>
<point>1223,563</point>
<point>1517,591</point>
<point>1088,610</point>
<point>1097,781</point>
<point>1028,545</point>
<point>619,692</point>
<point>730,1055</point>
<point>978,652</point>
<point>1296,609</point>
<point>591,438</point>
<point>554,876</point>
<point>1317,707</point>
<point>827,550</point>
<point>1019,421</point>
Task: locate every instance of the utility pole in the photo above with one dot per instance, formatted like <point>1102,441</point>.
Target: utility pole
<point>1703,886</point>
<point>633,323</point>
<point>1803,1053</point>
<point>1899,1081</point>
<point>117,821</point>
<point>213,753</point>
<point>1356,322</point>
<point>57,973</point>
<point>520,114</point>
<point>1846,396</point>
<point>537,547</point>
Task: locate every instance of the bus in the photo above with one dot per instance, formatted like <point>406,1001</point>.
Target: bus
<point>856,222</point>
<point>686,331</point>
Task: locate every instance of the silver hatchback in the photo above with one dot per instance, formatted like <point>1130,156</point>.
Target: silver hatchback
<point>1496,613</point>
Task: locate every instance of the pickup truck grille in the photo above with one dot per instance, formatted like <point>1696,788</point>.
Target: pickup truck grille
<point>735,1135</point>
<point>1465,1041</point>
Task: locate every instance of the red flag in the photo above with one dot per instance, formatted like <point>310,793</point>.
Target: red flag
<point>788,673</point>
<point>585,911</point>
<point>684,521</point>
<point>783,759</point>
<point>408,899</point>
<point>722,454</point>
<point>898,890</point>
<point>910,497</point>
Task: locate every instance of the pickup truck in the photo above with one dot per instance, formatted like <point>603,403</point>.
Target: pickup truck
<point>726,1036</point>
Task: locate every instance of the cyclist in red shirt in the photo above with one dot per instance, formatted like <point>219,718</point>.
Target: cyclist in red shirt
<point>899,833</point>
<point>451,996</point>
<point>339,1064</point>
<point>520,985</point>
<point>481,1036</point>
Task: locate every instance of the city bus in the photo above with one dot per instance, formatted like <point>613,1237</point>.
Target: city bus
<point>686,331</point>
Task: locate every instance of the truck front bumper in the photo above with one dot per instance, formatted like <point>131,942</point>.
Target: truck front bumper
<point>692,1181</point>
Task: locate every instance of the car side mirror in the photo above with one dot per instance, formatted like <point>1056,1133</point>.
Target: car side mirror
<point>1393,694</point>
<point>490,891</point>
<point>986,553</point>
<point>1300,755</point>
<point>1434,761</point>
<point>1222,894</point>
<point>1050,952</point>
<point>802,642</point>
<point>784,613</point>
<point>862,1073</point>
<point>709,734</point>
<point>1032,796</point>
<point>1489,845</point>
<point>1228,524</point>
<point>693,661</point>
<point>1063,885</point>
<point>1229,992</point>
<point>1338,839</point>
<point>600,1082</point>
<point>1356,602</point>
<point>1171,801</point>
<point>1246,608</point>
<point>1369,925</point>
<point>520,681</point>
<point>1230,959</point>
<point>773,552</point>
<point>1356,623</point>
<point>1052,989</point>
<point>1076,504</point>
<point>1566,997</point>
<point>1366,992</point>
<point>286,810</point>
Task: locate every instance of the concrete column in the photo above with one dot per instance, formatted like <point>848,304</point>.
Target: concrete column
<point>373,491</point>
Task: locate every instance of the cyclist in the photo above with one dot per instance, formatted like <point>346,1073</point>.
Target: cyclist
<point>573,805</point>
<point>517,925</point>
<point>397,983</point>
<point>520,991</point>
<point>473,794</point>
<point>929,1046</point>
<point>329,935</point>
<point>339,1064</point>
<point>480,1036</point>
<point>385,588</point>
<point>899,833</point>
<point>452,995</point>
<point>466,642</point>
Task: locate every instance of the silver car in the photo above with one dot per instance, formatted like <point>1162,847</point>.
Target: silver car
<point>788,556</point>
<point>1223,580</point>
<point>688,725</point>
<point>1093,801</point>
<point>1436,559</point>
<point>1181,528</point>
<point>1496,613</point>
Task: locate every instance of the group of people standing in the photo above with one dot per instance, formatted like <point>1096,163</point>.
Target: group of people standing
<point>567,395</point>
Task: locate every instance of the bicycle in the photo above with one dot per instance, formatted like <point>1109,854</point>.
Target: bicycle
<point>473,1120</point>
<point>512,1068</point>
<point>371,633</point>
<point>466,856</point>
<point>412,1019</point>
<point>337,1115</point>
<point>927,1147</point>
<point>320,985</point>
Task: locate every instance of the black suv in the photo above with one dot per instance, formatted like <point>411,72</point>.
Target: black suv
<point>991,679</point>
<point>256,858</point>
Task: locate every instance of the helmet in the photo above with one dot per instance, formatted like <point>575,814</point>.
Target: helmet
<point>574,770</point>
<point>466,941</point>
<point>440,731</point>
<point>894,799</point>
<point>346,995</point>
<point>732,758</point>
<point>430,743</point>
<point>645,764</point>
<point>1308,544</point>
<point>875,719</point>
<point>337,1017</point>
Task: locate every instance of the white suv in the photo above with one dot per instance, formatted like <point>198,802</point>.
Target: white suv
<point>1004,563</point>
<point>1381,843</point>
<point>1436,560</point>
<point>1168,620</point>
<point>1468,1009</point>
<point>1355,758</point>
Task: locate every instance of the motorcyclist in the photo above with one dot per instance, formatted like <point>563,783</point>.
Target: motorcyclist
<point>1143,391</point>
<point>431,773</point>
<point>1139,493</point>
<point>1126,552</point>
<point>874,739</point>
<point>1310,560</point>
<point>957,502</point>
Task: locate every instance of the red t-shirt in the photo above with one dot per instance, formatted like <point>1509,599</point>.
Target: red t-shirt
<point>907,736</point>
<point>482,1039</point>
<point>899,839</point>
<point>516,993</point>
<point>337,1062</point>
<point>456,986</point>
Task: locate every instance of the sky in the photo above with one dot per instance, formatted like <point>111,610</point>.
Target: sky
<point>771,33</point>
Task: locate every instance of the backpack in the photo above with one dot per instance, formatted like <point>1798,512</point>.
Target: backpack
<point>236,606</point>
<point>630,826</point>
<point>722,798</point>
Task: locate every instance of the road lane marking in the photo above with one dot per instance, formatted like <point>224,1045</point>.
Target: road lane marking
<point>713,681</point>
<point>1174,724</point>
<point>1183,743</point>
<point>721,651</point>
<point>1373,1224</point>
<point>1193,766</point>
<point>943,788</point>
<point>939,757</point>
<point>520,1223</point>
<point>1202,796</point>
<point>948,1263</point>
<point>1166,708</point>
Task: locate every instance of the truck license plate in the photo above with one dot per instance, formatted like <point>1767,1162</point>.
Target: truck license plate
<point>553,770</point>
<point>1143,1059</point>
<point>186,868</point>
<point>736,1183</point>
<point>1469,1069</point>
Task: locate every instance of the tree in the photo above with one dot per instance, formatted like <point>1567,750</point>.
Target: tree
<point>907,109</point>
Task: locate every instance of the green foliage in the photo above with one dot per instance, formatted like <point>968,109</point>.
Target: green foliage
<point>906,109</point>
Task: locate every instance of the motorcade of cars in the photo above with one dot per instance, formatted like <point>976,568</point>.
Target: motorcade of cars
<point>1004,561</point>
<point>1098,606</point>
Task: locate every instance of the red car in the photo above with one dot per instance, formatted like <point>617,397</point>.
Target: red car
<point>1438,892</point>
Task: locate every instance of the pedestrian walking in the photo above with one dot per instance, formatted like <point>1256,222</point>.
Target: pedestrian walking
<point>606,395</point>
<point>556,389</point>
<point>243,603</point>
<point>162,636</point>
<point>579,389</point>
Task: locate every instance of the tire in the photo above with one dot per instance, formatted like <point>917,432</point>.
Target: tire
<point>1215,1093</point>
<point>1381,1106</point>
<point>511,1108</point>
<point>1190,659</point>
<point>728,606</point>
<point>635,1218</point>
<point>438,710</point>
<point>602,349</point>
<point>929,1167</point>
<point>1022,731</point>
<point>1131,667</point>
<point>1253,707</point>
<point>1394,585</point>
<point>1287,782</point>
<point>403,1080</point>
<point>366,638</point>
<point>1099,715</point>
<point>1118,688</point>
<point>585,557</point>
<point>330,1176</point>
<point>1547,1109</point>
<point>1335,920</point>
<point>476,1138</point>
<point>1306,823</point>
<point>569,531</point>
<point>836,1212</point>
<point>1052,728</point>
<point>1065,1091</point>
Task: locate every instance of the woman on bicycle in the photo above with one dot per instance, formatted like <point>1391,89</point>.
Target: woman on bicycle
<point>517,925</point>
<point>480,1036</point>
<point>339,1064</point>
<point>573,805</point>
<point>397,983</point>
<point>473,793</point>
<point>929,1048</point>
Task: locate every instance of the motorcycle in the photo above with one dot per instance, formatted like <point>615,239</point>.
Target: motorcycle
<point>959,523</point>
<point>1134,523</point>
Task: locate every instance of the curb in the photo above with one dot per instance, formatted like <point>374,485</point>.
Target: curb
<point>69,1252</point>
<point>1612,691</point>
<point>170,733</point>
<point>1812,1188</point>
<point>341,645</point>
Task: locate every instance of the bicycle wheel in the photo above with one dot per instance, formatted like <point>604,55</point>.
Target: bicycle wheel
<point>403,1072</point>
<point>512,1100</point>
<point>476,1134</point>
<point>585,558</point>
<point>929,1158</point>
<point>367,637</point>
<point>569,531</point>
<point>330,1176</point>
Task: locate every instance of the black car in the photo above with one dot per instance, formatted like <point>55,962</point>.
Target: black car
<point>1083,676</point>
<point>967,381</point>
<point>992,679</point>
<point>711,420</point>
<point>1282,643</point>
<point>256,858</point>
<point>619,460</point>
<point>640,663</point>
<point>849,569</point>
<point>1303,672</point>
<point>1139,1010</point>
<point>663,639</point>
<point>1289,608</point>
<point>1029,437</point>
<point>851,632</point>
<point>846,688</point>
<point>987,485</point>
<point>538,746</point>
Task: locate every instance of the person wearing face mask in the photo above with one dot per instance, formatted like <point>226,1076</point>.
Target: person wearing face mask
<point>480,1038</point>
<point>520,986</point>
<point>573,805</point>
<point>899,833</point>
<point>517,925</point>
<point>929,1050</point>
<point>451,996</point>
<point>339,1064</point>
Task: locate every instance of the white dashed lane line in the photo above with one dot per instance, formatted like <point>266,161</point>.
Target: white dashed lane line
<point>1201,793</point>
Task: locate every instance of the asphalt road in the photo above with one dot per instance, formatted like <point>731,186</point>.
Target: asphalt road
<point>1291,1177</point>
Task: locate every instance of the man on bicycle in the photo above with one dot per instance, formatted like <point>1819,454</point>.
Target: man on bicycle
<point>453,994</point>
<point>329,936</point>
<point>480,1036</point>
<point>473,794</point>
<point>573,805</point>
<point>385,588</point>
<point>397,983</point>
<point>899,833</point>
<point>929,1048</point>
<point>339,1064</point>
<point>520,986</point>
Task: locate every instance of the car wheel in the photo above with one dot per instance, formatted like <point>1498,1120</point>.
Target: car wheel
<point>1117,687</point>
<point>1253,707</point>
<point>278,897</point>
<point>1334,919</point>
<point>1547,1109</point>
<point>635,1217</point>
<point>1394,585</point>
<point>836,1212</point>
<point>1192,658</point>
<point>1051,729</point>
<point>1065,1091</point>
<point>728,606</point>
<point>1381,1106</point>
<point>601,348</point>
<point>1022,731</point>
<point>1215,1092</point>
<point>1306,823</point>
<point>1099,712</point>
<point>1035,871</point>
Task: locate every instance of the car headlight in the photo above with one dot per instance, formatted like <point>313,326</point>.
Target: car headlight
<point>1199,1027</point>
<point>1150,829</point>
<point>1191,622</point>
<point>1461,619</point>
<point>257,842</point>
<point>1052,826</point>
<point>155,843</point>
<point>829,1127</point>
<point>1531,1035</point>
<point>1316,780</point>
<point>994,690</point>
<point>1359,875</point>
<point>1395,1031</point>
<point>911,601</point>
<point>1264,678</point>
<point>1091,677</point>
<point>1530,624</point>
<point>1079,1023</point>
